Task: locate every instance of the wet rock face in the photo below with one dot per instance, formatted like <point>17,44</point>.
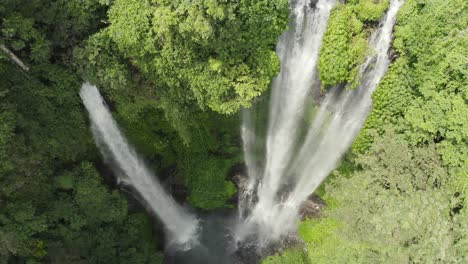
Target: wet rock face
<point>240,181</point>
<point>312,207</point>
<point>175,184</point>
<point>393,55</point>
<point>252,253</point>
<point>247,254</point>
<point>313,3</point>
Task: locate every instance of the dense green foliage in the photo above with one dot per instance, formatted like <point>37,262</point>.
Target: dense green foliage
<point>168,69</point>
<point>295,255</point>
<point>218,54</point>
<point>174,74</point>
<point>53,205</point>
<point>207,189</point>
<point>409,210</point>
<point>344,46</point>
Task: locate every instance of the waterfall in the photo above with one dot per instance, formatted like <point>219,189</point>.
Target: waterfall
<point>180,225</point>
<point>298,51</point>
<point>334,126</point>
<point>249,142</point>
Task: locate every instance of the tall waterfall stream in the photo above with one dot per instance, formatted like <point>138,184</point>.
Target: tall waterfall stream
<point>180,225</point>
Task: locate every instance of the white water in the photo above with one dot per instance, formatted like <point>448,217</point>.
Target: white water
<point>333,129</point>
<point>249,142</point>
<point>179,223</point>
<point>298,51</point>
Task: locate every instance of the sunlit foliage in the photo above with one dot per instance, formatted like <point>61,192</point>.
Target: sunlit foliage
<point>174,73</point>
<point>217,53</point>
<point>344,46</point>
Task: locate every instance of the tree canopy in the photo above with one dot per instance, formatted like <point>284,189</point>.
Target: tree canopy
<point>175,73</point>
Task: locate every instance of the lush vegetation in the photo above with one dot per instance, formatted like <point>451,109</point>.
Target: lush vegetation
<point>212,55</point>
<point>401,196</point>
<point>54,206</point>
<point>174,74</point>
<point>345,46</point>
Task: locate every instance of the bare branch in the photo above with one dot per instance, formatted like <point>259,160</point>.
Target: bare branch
<point>14,58</point>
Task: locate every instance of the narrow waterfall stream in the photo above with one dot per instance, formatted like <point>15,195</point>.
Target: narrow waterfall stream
<point>332,131</point>
<point>181,226</point>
